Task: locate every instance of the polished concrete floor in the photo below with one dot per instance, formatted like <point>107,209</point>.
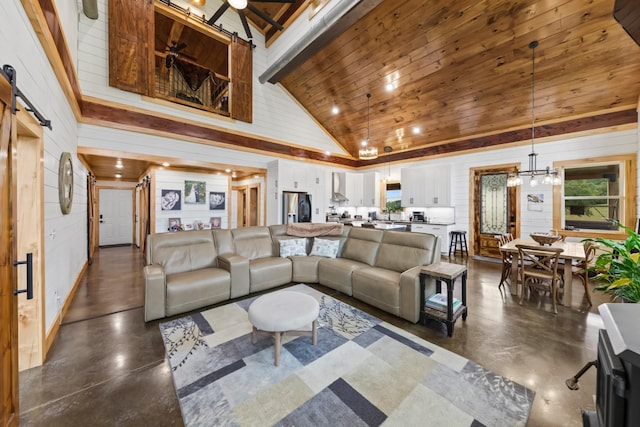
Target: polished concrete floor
<point>107,367</point>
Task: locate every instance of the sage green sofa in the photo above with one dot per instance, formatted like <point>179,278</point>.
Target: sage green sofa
<point>194,269</point>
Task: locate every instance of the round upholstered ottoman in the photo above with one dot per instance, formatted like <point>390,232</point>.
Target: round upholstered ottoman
<point>283,312</point>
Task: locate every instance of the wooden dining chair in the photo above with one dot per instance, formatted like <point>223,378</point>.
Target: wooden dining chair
<point>539,270</point>
<point>507,260</point>
<point>581,268</point>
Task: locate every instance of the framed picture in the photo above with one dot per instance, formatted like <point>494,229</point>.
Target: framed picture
<point>215,221</point>
<point>175,224</point>
<point>206,226</point>
<point>195,192</point>
<point>197,225</point>
<point>188,227</point>
<point>217,201</point>
<point>170,200</point>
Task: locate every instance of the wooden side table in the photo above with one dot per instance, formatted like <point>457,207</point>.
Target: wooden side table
<point>447,272</point>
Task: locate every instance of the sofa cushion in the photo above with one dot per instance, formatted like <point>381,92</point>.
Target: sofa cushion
<point>194,289</point>
<point>378,287</point>
<point>325,247</point>
<point>266,273</point>
<point>400,251</point>
<point>336,273</point>
<point>183,251</point>
<point>293,247</point>
<point>362,245</point>
<point>253,242</point>
<point>305,269</point>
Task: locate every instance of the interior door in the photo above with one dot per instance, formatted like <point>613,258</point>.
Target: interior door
<point>8,301</point>
<point>495,209</point>
<point>115,216</point>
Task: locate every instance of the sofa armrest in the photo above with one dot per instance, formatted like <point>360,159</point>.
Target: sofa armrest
<point>155,292</point>
<point>410,293</point>
<point>238,267</point>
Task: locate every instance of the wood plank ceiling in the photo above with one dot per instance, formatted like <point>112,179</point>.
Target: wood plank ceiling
<point>460,70</point>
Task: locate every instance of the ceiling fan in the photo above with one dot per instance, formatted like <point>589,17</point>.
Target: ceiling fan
<point>240,5</point>
<point>174,53</point>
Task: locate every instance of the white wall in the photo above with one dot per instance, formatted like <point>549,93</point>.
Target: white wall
<point>65,235</point>
<point>189,213</point>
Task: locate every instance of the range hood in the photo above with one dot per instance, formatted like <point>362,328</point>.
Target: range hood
<point>338,186</point>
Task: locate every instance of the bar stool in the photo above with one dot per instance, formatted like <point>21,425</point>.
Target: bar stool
<point>458,242</point>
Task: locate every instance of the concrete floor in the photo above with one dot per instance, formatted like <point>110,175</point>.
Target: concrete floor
<point>107,367</point>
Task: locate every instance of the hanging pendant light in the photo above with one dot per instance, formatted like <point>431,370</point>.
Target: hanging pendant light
<point>367,152</point>
<point>550,176</point>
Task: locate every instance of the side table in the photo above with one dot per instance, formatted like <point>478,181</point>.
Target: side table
<point>447,272</point>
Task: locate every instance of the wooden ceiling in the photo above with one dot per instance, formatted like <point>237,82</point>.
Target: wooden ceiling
<point>461,70</point>
<point>103,165</point>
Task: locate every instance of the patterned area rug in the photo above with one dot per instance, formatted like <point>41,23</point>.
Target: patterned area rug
<point>362,372</point>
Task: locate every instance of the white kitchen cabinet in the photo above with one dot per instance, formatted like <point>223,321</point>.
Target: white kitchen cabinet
<point>426,186</point>
<point>354,189</point>
<point>412,184</point>
<point>442,231</point>
<point>371,189</point>
<point>292,177</point>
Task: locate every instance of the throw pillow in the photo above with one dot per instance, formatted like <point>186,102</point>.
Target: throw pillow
<point>293,247</point>
<point>325,247</point>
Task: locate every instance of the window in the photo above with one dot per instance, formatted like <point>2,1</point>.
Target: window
<point>593,193</point>
<point>392,197</point>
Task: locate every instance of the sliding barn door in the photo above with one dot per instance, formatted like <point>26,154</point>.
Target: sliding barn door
<point>8,301</point>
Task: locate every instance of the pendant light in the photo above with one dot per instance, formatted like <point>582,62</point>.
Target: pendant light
<point>366,152</point>
<point>549,175</point>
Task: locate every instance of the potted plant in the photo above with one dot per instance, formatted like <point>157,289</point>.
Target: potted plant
<point>617,266</point>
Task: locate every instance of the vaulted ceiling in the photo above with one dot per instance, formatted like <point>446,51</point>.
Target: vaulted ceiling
<point>462,70</point>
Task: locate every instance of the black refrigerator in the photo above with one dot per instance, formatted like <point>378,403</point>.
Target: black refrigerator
<point>296,207</point>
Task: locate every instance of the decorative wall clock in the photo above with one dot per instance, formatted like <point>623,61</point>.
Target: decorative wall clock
<point>65,182</point>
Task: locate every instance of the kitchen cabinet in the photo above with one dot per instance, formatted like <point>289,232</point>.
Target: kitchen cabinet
<point>363,189</point>
<point>371,189</point>
<point>440,230</point>
<point>426,186</point>
<point>353,190</point>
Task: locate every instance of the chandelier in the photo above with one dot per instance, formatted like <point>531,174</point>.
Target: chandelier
<point>549,175</point>
<point>366,152</point>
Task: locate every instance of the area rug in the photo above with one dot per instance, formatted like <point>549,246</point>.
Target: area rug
<point>362,372</point>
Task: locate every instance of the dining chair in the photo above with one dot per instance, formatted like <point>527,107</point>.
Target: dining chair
<point>581,268</point>
<point>539,270</point>
<point>507,259</point>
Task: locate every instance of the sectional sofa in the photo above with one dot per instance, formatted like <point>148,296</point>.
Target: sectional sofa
<point>194,269</point>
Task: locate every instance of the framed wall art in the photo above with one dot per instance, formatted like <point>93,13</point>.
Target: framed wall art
<point>170,200</point>
<point>217,201</point>
<point>195,192</point>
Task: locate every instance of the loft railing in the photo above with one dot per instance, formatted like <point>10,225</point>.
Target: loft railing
<point>187,83</point>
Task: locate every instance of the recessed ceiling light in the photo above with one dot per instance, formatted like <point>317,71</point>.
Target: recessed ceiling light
<point>389,87</point>
<point>256,176</point>
<point>233,174</point>
<point>328,153</point>
<point>118,175</point>
<point>335,109</point>
<point>166,164</point>
<point>119,166</point>
<point>364,143</point>
<point>227,170</point>
<point>416,130</point>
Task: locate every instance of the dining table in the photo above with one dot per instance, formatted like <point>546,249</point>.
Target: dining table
<point>571,251</point>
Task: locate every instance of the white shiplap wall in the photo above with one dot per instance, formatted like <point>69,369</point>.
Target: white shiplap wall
<point>190,213</point>
<point>65,244</point>
<point>275,114</point>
